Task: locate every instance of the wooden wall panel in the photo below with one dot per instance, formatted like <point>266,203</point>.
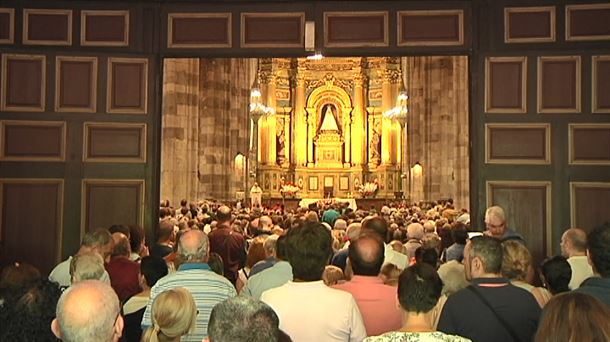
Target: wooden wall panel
<point>199,30</point>
<point>7,25</point>
<point>47,27</point>
<point>506,84</point>
<point>272,30</point>
<point>517,143</point>
<point>589,203</point>
<point>588,22</point>
<point>31,221</point>
<point>76,84</point>
<point>32,140</point>
<point>528,211</point>
<point>104,28</point>
<point>600,92</point>
<point>127,90</point>
<point>559,84</point>
<point>108,202</point>
<point>529,24</point>
<point>114,142</point>
<point>589,143</point>
<point>23,82</point>
<point>355,29</point>
<point>431,28</point>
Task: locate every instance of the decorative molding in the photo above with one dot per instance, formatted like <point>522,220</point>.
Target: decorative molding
<point>86,183</point>
<point>60,204</point>
<point>61,156</point>
<point>90,156</point>
<point>300,16</point>
<point>4,100</point>
<point>402,41</point>
<point>595,107</point>
<point>85,14</point>
<point>568,24</point>
<point>577,84</point>
<point>522,60</point>
<point>11,29</point>
<point>572,157</point>
<point>27,40</point>
<point>92,107</point>
<point>171,18</point>
<point>111,107</point>
<point>545,9</point>
<point>382,41</point>
<point>573,187</point>
<point>546,149</point>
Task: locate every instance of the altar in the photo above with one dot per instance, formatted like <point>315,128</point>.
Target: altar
<point>324,129</point>
<point>305,202</point>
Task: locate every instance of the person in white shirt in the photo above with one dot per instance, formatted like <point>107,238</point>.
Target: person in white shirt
<point>378,226</point>
<point>574,247</point>
<point>308,309</point>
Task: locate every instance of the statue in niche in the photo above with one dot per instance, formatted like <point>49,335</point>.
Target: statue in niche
<point>329,119</point>
<point>375,145</point>
<point>280,141</point>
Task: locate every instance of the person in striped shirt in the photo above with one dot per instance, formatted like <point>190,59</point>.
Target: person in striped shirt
<point>194,274</point>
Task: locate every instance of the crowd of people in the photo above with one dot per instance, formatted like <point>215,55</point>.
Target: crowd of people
<point>403,272</point>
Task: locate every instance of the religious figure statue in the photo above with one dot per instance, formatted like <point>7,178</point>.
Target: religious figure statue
<point>280,142</point>
<point>375,146</point>
<point>256,194</point>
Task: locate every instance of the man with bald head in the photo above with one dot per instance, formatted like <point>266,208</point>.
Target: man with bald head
<point>229,244</point>
<point>194,274</point>
<point>574,247</point>
<point>88,312</point>
<point>376,301</point>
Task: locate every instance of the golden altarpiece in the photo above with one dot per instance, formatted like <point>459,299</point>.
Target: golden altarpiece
<point>328,134</point>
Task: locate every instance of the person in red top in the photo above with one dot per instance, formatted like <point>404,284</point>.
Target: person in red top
<point>229,244</point>
<point>376,300</point>
<point>124,273</point>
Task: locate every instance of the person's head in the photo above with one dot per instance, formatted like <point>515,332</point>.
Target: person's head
<point>27,315</point>
<point>152,269</point>
<point>426,255</point>
<point>482,256</point>
<point>216,264</point>
<point>376,225</point>
<point>280,248</point>
<point>574,316</point>
<point>459,233</point>
<point>119,228</point>
<point>88,311</point>
<point>332,275</point>
<point>223,214</point>
<point>598,249</point>
<point>136,238</point>
<point>389,274</point>
<point>415,231</point>
<point>353,230</point>
<point>556,274</point>
<point>18,275</point>
<point>270,245</point>
<point>573,242</point>
<point>256,250</point>
<point>174,313</point>
<point>366,255</point>
<point>121,245</point>
<point>265,223</point>
<point>516,260</point>
<point>243,318</point>
<point>98,241</point>
<point>193,246</point>
<point>309,249</point>
<point>165,231</point>
<point>86,266</point>
<point>495,221</point>
<point>419,288</point>
<point>340,224</point>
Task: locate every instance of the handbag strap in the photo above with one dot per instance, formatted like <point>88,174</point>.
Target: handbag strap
<point>502,321</point>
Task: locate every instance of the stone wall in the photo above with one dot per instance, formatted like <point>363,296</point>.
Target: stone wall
<point>438,124</point>
<point>205,126</point>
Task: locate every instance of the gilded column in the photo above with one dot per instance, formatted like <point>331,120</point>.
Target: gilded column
<point>263,127</point>
<point>348,140</point>
<point>271,122</point>
<point>359,120</point>
<point>310,134</point>
<point>287,142</point>
<point>299,124</point>
<point>386,124</point>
